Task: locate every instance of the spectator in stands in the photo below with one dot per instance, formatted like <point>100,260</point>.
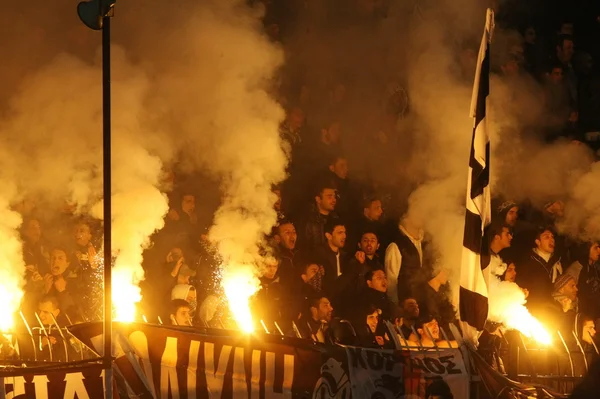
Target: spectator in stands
<point>49,310</point>
<point>352,280</point>
<point>376,293</point>
<point>278,204</point>
<point>404,259</point>
<point>62,282</point>
<point>35,251</point>
<point>270,303</point>
<point>559,104</point>
<point>312,277</point>
<point>324,211</point>
<point>501,237</point>
<point>290,129</point>
<point>338,173</point>
<point>428,334</point>
<point>84,250</point>
<point>508,213</point>
<point>540,269</point>
<point>511,273</point>
<point>184,216</point>
<point>369,328</point>
<point>327,147</point>
<point>51,341</point>
<point>370,221</point>
<point>563,309</point>
<point>315,321</point>
<point>565,49</point>
<point>187,293</point>
<point>330,255</point>
<point>410,316</point>
<point>286,236</point>
<point>180,314</point>
<point>586,273</point>
<point>434,296</point>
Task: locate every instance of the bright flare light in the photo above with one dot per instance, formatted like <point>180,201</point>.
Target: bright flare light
<point>240,283</point>
<point>125,294</point>
<point>10,298</point>
<point>519,318</point>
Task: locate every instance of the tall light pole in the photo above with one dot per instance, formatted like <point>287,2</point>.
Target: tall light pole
<point>96,14</point>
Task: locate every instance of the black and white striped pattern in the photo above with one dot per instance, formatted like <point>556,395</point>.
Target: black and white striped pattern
<point>473,303</point>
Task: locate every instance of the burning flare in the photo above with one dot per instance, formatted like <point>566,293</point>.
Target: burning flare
<point>507,306</point>
<point>240,283</point>
<point>125,294</point>
<point>12,268</point>
<point>519,318</point>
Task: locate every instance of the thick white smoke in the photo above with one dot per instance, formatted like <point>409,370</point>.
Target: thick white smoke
<point>138,206</point>
<point>441,104</point>
<point>212,68</point>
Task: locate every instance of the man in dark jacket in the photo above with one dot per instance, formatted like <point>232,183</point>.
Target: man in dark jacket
<point>286,236</point>
<point>331,256</point>
<point>587,275</point>
<point>369,221</point>
<point>540,269</point>
<point>365,260</point>
<point>322,212</point>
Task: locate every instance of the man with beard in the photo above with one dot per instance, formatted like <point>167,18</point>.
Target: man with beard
<point>369,221</point>
<point>323,212</point>
<point>365,260</point>
<point>330,255</point>
<point>314,323</point>
<point>540,270</point>
<point>561,311</point>
<point>410,315</point>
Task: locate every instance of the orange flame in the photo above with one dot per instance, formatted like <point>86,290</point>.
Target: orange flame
<point>10,298</point>
<point>240,283</point>
<point>125,294</point>
<point>519,318</point>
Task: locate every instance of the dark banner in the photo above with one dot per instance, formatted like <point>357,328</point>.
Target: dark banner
<point>68,382</point>
<point>162,362</point>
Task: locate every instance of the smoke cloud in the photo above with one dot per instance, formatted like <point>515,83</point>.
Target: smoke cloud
<point>213,74</point>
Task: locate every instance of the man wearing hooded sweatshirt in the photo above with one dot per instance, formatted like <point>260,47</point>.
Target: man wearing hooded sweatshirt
<point>187,293</point>
<point>540,270</point>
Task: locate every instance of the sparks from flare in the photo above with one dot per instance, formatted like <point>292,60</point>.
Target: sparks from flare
<point>240,283</point>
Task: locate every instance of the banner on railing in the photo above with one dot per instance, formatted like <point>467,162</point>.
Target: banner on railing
<point>163,362</point>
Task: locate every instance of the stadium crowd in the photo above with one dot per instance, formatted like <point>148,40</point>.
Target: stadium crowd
<point>344,250</point>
